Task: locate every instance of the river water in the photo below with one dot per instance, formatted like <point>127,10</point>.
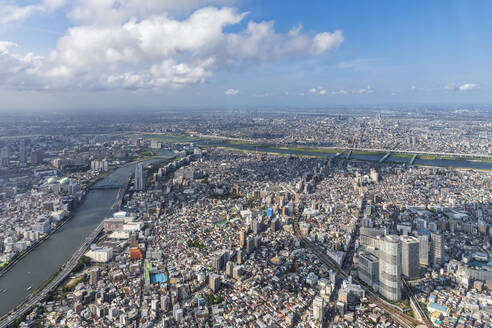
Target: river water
<point>45,260</point>
<point>454,163</point>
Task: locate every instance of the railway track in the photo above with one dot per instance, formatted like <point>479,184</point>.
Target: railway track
<point>403,319</point>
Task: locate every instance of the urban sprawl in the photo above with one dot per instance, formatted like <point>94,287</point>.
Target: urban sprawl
<point>217,237</point>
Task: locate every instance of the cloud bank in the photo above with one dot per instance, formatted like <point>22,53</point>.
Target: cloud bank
<point>142,44</point>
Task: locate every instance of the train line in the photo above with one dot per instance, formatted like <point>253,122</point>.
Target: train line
<point>403,319</point>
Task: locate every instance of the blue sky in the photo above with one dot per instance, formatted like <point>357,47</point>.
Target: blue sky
<point>122,54</point>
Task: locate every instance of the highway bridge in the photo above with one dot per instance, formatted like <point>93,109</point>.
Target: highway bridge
<point>106,187</point>
<point>417,152</point>
<point>349,153</point>
<point>338,154</point>
<point>385,157</point>
<point>110,184</point>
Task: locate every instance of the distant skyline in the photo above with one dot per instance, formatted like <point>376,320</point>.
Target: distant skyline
<point>160,54</point>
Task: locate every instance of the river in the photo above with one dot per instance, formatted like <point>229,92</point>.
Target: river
<point>36,267</point>
<point>454,163</point>
<point>373,157</point>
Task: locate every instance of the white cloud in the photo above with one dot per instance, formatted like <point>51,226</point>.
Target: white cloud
<point>318,91</point>
<point>180,74</point>
<point>140,44</point>
<point>340,92</point>
<point>148,41</point>
<point>18,71</point>
<point>263,95</point>
<point>6,45</point>
<point>111,12</point>
<point>12,13</point>
<point>231,92</point>
<point>260,42</point>
<point>468,87</point>
<point>367,90</point>
<point>462,87</point>
<point>413,88</point>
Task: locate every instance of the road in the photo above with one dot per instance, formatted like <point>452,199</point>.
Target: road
<point>30,302</point>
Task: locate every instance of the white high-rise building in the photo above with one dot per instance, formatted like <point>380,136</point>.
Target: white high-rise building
<point>319,308</point>
<point>390,268</point>
<point>139,177</point>
<point>424,248</point>
<point>99,165</point>
<point>214,282</point>
<point>437,248</point>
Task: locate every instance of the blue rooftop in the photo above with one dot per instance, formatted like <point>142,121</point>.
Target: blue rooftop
<point>158,278</point>
<point>437,307</point>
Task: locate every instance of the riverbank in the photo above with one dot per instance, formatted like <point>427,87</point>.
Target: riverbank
<point>299,149</point>
<point>40,263</point>
<point>6,268</point>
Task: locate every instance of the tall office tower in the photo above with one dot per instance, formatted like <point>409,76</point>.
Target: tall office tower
<point>22,152</point>
<point>274,225</point>
<point>390,268</point>
<point>133,240</point>
<point>256,226</point>
<point>4,156</point>
<point>216,263</point>
<point>410,257</point>
<point>93,277</point>
<point>104,165</point>
<point>424,248</point>
<point>319,308</point>
<point>369,269</point>
<point>37,156</point>
<point>437,248</point>
<point>214,282</point>
<point>139,177</point>
<point>230,268</point>
<point>242,237</point>
<point>239,257</point>
<point>250,245</point>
